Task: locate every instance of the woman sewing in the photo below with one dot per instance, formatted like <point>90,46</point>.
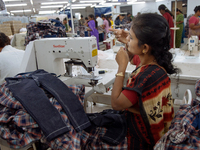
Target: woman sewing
<point>147,98</point>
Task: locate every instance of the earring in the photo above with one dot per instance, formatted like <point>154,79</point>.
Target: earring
<point>143,52</point>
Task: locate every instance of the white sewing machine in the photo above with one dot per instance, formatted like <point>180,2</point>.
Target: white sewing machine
<point>193,43</point>
<point>48,54</point>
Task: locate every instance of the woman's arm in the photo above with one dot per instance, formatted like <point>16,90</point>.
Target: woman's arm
<point>88,29</point>
<point>193,26</point>
<point>118,100</point>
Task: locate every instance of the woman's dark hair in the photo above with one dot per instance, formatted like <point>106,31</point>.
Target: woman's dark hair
<point>65,19</point>
<point>86,18</point>
<point>107,18</point>
<point>4,40</point>
<point>179,10</point>
<point>163,7</point>
<point>197,8</point>
<point>92,17</point>
<point>153,29</point>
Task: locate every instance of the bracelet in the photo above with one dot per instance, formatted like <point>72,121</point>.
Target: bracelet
<point>120,74</point>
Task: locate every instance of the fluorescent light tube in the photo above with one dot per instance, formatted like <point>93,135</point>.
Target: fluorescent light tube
<point>78,7</point>
<point>34,10</point>
<point>51,3</point>
<point>52,6</point>
<point>31,2</point>
<point>16,11</point>
<point>97,1</point>
<point>47,12</point>
<point>13,5</point>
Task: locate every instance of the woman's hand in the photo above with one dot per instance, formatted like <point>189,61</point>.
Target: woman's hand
<point>121,35</point>
<point>122,59</point>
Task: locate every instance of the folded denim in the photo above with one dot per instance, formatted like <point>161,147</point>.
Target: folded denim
<point>30,94</point>
<point>38,106</point>
<point>113,121</point>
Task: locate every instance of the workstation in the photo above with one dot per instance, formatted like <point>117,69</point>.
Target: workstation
<point>106,74</point>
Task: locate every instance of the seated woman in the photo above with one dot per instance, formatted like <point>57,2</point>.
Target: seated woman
<point>147,98</point>
<point>92,27</point>
<point>194,25</point>
<point>10,58</point>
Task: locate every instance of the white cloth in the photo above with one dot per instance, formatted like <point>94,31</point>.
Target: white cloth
<point>10,62</point>
<point>100,21</point>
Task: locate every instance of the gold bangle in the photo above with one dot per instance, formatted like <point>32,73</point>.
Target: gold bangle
<point>120,74</point>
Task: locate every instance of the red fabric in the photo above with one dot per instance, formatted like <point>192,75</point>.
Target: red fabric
<point>131,95</point>
<point>136,60</point>
<point>169,19</point>
<point>195,21</point>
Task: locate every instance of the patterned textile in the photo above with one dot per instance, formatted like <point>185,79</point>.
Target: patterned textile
<point>181,134</point>
<point>43,29</point>
<point>197,88</point>
<point>19,128</point>
<point>153,117</point>
<point>2,5</point>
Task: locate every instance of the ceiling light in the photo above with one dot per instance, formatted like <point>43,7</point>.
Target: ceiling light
<point>11,0</point>
<point>16,11</point>
<point>34,10</point>
<point>31,2</point>
<point>52,6</point>
<point>97,1</point>
<point>78,7</point>
<point>135,2</point>
<point>51,3</point>
<point>13,5</point>
<point>102,6</point>
<point>93,5</point>
<point>47,12</point>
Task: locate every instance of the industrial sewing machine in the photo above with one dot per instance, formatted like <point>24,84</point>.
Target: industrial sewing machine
<point>50,55</point>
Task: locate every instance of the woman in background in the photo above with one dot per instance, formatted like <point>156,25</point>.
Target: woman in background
<point>194,23</point>
<point>179,24</point>
<point>169,17</point>
<point>111,21</point>
<point>106,25</point>
<point>92,27</point>
<point>119,20</point>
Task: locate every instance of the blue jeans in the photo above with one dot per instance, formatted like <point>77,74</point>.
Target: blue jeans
<point>28,91</point>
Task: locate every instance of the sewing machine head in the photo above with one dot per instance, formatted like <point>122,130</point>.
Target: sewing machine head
<point>51,54</point>
<point>193,43</point>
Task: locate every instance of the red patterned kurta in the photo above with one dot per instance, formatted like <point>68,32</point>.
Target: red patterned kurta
<point>153,105</point>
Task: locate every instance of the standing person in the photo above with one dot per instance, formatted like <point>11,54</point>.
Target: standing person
<point>10,58</point>
<point>169,17</point>
<point>194,23</point>
<point>179,24</point>
<point>92,27</point>
<point>120,20</point>
<point>147,98</point>
<point>111,21</point>
<point>99,20</point>
<point>66,24</point>
<point>76,23</point>
<point>106,25</point>
<point>86,21</point>
<point>129,17</point>
<point>81,21</point>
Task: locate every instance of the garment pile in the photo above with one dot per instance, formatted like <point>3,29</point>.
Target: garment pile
<point>37,106</point>
<point>44,29</point>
